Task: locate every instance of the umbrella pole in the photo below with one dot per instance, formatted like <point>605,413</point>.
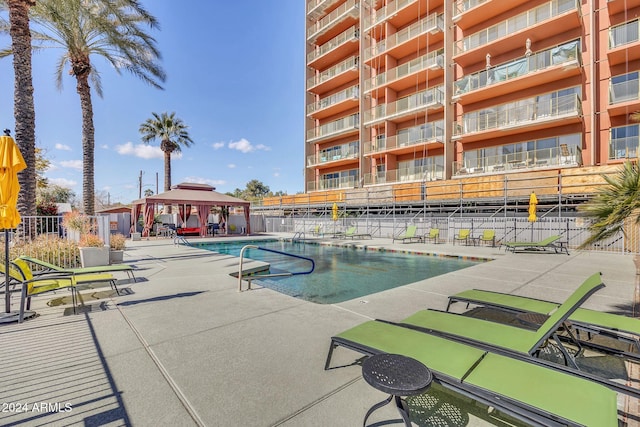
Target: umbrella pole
<point>7,296</point>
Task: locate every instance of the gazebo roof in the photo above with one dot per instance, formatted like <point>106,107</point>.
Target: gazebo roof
<point>194,194</point>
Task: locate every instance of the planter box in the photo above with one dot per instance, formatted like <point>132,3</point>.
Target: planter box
<point>116,256</point>
<point>93,257</point>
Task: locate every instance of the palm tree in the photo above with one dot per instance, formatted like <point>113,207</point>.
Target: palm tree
<point>23,104</point>
<point>172,133</point>
<point>110,29</point>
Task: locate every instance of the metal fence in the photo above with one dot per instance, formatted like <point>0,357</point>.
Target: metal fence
<point>572,230</point>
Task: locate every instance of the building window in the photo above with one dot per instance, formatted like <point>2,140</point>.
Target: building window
<point>624,142</point>
<point>624,88</point>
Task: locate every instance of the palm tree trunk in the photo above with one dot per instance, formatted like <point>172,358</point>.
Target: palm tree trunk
<point>24,111</point>
<point>167,177</point>
<point>88,142</point>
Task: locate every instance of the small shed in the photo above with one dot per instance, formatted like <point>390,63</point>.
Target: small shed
<point>186,195</point>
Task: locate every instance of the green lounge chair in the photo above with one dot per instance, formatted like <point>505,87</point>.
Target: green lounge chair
<point>531,393</point>
<point>548,243</point>
<point>36,284</point>
<point>315,231</point>
<point>44,266</point>
<point>434,234</point>
<point>409,234</point>
<point>352,233</point>
<point>463,235</point>
<point>616,326</point>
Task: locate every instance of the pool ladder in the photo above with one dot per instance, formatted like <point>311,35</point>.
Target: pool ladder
<point>299,235</point>
<point>249,278</point>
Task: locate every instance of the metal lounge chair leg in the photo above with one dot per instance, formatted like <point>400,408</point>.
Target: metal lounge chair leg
<point>378,406</point>
<point>330,354</point>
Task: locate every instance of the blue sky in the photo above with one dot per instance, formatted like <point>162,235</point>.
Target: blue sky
<point>235,76</point>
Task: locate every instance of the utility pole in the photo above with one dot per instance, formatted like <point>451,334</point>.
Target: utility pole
<point>140,186</point>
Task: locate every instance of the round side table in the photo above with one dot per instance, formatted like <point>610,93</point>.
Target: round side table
<point>398,376</point>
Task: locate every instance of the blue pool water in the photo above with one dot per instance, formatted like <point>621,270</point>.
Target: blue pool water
<point>340,274</point>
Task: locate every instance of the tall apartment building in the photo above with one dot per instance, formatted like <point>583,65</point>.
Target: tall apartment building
<point>420,90</point>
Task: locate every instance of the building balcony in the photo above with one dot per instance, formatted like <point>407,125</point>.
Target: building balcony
<point>316,8</point>
<point>542,67</point>
<point>431,133</point>
<point>398,13</point>
<point>335,76</point>
<point>521,116</point>
<point>469,13</point>
<point>333,104</point>
<point>549,18</point>
<point>431,173</point>
<point>619,6</point>
<point>414,105</point>
<point>332,184</point>
<point>337,128</point>
<point>338,20</point>
<point>406,40</point>
<point>342,45</point>
<point>335,156</point>
<point>410,73</point>
<point>624,43</point>
<point>624,94</point>
<point>562,156</point>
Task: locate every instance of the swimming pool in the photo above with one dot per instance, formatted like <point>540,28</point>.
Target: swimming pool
<point>341,273</point>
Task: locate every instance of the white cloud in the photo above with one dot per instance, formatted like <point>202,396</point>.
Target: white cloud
<point>72,164</point>
<point>231,166</point>
<point>62,182</point>
<point>63,147</point>
<point>217,145</point>
<point>200,180</point>
<point>143,151</point>
<point>276,174</point>
<point>245,146</point>
<point>104,146</point>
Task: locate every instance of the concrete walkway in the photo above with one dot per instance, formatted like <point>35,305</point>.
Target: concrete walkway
<point>183,347</point>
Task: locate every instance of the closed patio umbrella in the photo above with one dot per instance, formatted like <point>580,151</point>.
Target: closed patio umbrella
<point>533,201</point>
<point>11,162</point>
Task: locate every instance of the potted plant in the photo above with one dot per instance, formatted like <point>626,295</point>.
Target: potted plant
<point>116,242</point>
<point>93,251</point>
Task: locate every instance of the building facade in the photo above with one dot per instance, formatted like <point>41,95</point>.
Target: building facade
<point>401,91</point>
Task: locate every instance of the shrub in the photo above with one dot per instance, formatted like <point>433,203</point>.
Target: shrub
<point>117,241</point>
<point>90,241</point>
<point>76,221</point>
<point>51,249</point>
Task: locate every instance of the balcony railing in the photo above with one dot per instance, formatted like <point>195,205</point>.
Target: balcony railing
<point>462,6</point>
<point>332,184</point>
<point>517,23</point>
<point>349,8</point>
<point>520,113</point>
<point>347,64</point>
<point>334,128</point>
<point>431,60</point>
<point>433,23</point>
<point>384,12</point>
<point>425,99</point>
<point>349,93</point>
<point>350,34</point>
<point>318,6</point>
<point>623,34</point>
<point>344,151</point>
<point>426,173</point>
<point>433,132</point>
<point>562,156</point>
<point>624,91</point>
<point>562,54</point>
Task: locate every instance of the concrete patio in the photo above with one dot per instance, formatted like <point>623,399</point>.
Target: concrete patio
<point>183,347</point>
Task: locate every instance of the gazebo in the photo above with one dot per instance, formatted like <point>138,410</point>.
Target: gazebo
<point>186,195</point>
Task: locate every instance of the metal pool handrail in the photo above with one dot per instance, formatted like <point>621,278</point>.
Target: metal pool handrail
<point>263,276</point>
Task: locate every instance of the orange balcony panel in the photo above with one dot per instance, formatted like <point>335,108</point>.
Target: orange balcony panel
<point>333,137</point>
<point>555,25</point>
<point>416,44</point>
<point>536,78</point>
<point>336,163</point>
<point>482,12</point>
<point>624,108</point>
<point>330,32</point>
<point>520,128</point>
<point>334,109</point>
<point>408,14</point>
<point>334,82</point>
<point>624,53</point>
<point>344,50</point>
<point>619,6</point>
<point>412,148</point>
<point>412,80</point>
